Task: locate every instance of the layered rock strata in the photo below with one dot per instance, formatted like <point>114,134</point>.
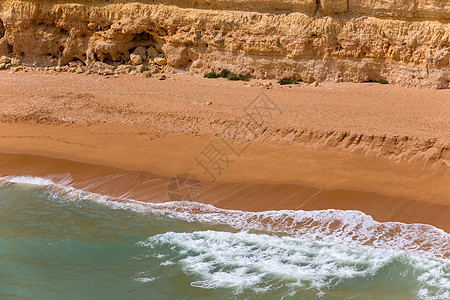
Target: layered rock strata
<point>404,42</point>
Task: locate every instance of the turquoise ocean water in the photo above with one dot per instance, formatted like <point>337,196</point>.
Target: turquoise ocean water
<point>61,243</point>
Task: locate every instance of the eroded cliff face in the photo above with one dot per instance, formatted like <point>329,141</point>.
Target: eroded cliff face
<point>406,42</point>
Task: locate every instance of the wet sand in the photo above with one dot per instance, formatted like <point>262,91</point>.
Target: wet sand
<point>129,136</point>
<point>149,187</point>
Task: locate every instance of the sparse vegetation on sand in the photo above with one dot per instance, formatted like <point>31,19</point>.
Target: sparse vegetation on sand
<point>287,80</point>
<point>382,81</point>
<point>228,75</point>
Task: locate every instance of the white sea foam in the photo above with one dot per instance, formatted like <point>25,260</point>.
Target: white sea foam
<point>350,227</point>
<point>260,262</point>
<point>145,279</point>
<point>26,180</point>
<point>323,249</point>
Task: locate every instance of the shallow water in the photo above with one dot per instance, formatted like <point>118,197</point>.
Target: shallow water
<point>54,244</point>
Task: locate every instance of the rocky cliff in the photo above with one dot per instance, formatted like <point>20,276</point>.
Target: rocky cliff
<point>406,42</point>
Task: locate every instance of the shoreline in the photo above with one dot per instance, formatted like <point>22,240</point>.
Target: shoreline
<point>133,139</point>
<point>252,197</point>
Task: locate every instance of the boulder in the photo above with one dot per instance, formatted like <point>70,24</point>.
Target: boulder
<point>152,53</point>
<point>147,74</point>
<point>136,59</point>
<point>160,61</point>
<point>141,51</point>
<point>15,62</point>
<point>5,60</point>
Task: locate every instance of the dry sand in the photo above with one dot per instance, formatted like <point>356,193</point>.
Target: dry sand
<point>380,149</point>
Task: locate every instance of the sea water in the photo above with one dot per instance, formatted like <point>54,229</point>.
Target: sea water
<point>57,242</point>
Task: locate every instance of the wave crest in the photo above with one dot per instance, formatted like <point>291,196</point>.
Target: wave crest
<point>350,227</point>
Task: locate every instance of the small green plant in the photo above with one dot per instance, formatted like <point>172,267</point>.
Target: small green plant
<point>224,73</point>
<point>236,77</point>
<point>278,43</point>
<point>382,81</point>
<point>287,80</point>
<point>211,75</point>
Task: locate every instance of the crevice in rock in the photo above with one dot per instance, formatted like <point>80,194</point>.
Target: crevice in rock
<point>107,59</point>
<point>143,37</point>
<point>317,6</point>
<point>2,29</point>
<point>78,62</point>
<point>63,32</point>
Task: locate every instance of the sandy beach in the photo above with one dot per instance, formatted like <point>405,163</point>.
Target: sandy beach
<point>375,148</point>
